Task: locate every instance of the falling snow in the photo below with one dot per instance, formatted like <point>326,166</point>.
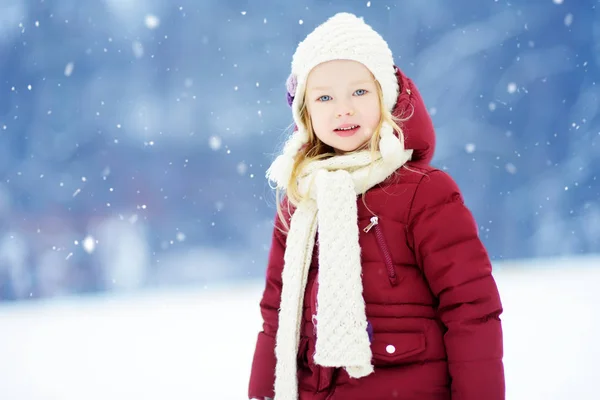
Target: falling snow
<point>568,19</point>
<point>215,142</point>
<point>69,69</point>
<point>151,21</point>
<point>89,244</point>
<point>242,168</point>
<point>511,169</point>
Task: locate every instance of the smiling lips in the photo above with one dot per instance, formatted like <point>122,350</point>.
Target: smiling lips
<point>346,129</point>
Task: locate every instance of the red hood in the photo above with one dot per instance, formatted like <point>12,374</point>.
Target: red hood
<point>419,134</point>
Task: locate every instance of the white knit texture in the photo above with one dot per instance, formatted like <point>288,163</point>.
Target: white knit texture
<point>342,338</point>
<point>297,258</point>
<point>331,187</point>
<point>281,169</point>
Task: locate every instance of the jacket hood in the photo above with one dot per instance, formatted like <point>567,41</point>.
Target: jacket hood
<point>417,126</point>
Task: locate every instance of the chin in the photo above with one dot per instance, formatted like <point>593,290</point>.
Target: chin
<point>346,147</point>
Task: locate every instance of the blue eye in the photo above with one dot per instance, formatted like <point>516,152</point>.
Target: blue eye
<point>360,92</point>
<point>324,98</point>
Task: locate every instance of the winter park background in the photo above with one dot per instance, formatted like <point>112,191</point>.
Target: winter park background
<point>134,214</point>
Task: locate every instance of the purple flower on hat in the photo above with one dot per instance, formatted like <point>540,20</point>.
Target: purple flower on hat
<point>291,84</point>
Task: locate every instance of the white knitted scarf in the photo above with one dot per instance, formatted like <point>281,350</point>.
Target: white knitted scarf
<point>330,188</point>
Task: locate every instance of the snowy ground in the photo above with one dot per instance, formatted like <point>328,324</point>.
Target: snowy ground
<point>198,344</point>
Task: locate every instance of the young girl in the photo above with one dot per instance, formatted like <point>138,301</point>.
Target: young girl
<point>378,286</point>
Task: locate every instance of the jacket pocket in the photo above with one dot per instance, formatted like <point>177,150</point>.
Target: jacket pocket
<point>383,249</point>
<point>393,348</point>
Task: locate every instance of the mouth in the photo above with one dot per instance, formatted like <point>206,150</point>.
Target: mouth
<point>347,130</point>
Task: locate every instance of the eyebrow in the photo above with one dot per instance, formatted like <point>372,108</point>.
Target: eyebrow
<point>351,84</point>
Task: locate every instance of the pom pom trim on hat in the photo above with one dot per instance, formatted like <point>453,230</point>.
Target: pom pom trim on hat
<point>390,145</point>
<point>280,171</point>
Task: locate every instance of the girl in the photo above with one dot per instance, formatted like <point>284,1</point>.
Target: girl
<point>378,286</point>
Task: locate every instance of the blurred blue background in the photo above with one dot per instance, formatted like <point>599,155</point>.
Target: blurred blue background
<point>134,135</point>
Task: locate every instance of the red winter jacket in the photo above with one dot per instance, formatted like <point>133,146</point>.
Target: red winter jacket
<point>431,300</point>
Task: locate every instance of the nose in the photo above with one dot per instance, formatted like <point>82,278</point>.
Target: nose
<point>348,112</point>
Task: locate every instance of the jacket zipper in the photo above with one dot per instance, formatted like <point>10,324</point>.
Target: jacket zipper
<point>383,248</point>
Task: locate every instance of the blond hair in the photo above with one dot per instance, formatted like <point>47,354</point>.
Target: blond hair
<point>315,150</point>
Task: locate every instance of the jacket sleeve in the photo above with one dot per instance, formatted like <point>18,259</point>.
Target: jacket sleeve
<point>458,270</point>
<point>262,375</point>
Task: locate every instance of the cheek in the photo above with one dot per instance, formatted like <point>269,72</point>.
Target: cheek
<point>319,120</point>
<point>370,111</point>
<point>373,116</point>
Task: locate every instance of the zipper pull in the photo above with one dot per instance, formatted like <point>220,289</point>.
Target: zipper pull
<point>374,221</point>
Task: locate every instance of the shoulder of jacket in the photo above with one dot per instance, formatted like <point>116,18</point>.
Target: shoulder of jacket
<point>413,174</point>
<point>434,188</point>
<point>425,186</point>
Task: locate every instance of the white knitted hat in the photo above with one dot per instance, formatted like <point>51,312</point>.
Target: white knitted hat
<point>342,37</point>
